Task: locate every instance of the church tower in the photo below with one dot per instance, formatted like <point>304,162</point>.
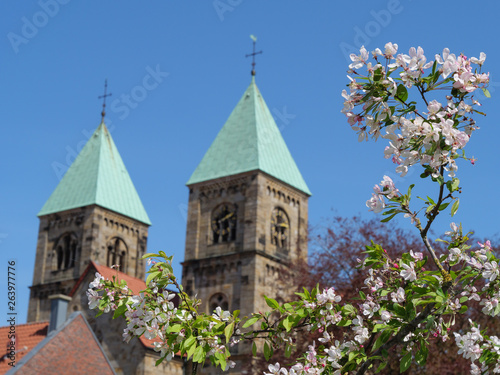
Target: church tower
<point>94,214</point>
<point>247,215</point>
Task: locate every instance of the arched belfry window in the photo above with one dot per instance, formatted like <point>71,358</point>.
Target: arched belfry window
<point>218,300</point>
<point>280,228</point>
<point>117,253</point>
<point>65,252</point>
<point>224,223</point>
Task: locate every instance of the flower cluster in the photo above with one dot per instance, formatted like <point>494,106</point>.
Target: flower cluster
<point>473,346</point>
<point>153,314</point>
<point>387,189</point>
<point>433,138</point>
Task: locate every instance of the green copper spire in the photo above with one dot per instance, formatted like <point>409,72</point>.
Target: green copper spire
<point>97,176</point>
<point>249,140</point>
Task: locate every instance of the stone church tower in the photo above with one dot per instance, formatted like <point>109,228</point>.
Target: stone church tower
<point>247,216</point>
<point>94,214</point>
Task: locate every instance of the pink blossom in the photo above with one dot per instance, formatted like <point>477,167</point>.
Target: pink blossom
<point>409,272</point>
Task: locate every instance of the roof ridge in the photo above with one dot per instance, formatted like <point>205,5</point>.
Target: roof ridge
<point>32,323</point>
<point>256,92</point>
<point>99,164</point>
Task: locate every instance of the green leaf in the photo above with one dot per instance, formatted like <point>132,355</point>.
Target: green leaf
<point>120,310</point>
<point>410,188</point>
<point>379,327</point>
<point>254,349</point>
<point>419,290</point>
<point>440,293</point>
<point>174,328</point>
<point>401,93</point>
<point>191,350</point>
<point>497,310</point>
<point>382,339</point>
<point>454,207</point>
<point>159,361</point>
<point>199,355</point>
<point>384,353</point>
<point>421,356</point>
<point>486,93</point>
<point>268,351</point>
<point>405,363</point>
<point>251,321</point>
<point>190,341</point>
<point>222,362</point>
<point>272,303</point>
<point>349,310</point>
<point>410,310</point>
<point>388,218</point>
<point>439,179</point>
<point>399,310</point>
<point>149,255</point>
<point>228,331</point>
<point>344,323</point>
<point>464,299</point>
<point>391,211</point>
<point>434,68</point>
<point>443,206</point>
<point>287,324</point>
<point>152,275</point>
<point>381,367</point>
<point>302,313</point>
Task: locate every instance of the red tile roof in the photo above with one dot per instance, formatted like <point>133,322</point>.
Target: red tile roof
<point>27,337</point>
<point>72,349</point>
<point>134,284</point>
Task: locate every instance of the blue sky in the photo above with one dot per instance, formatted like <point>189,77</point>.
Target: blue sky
<point>56,54</point>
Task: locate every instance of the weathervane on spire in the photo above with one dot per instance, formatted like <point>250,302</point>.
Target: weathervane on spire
<point>103,113</point>
<point>253,53</point>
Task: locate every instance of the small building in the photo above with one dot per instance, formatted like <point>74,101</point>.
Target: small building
<point>72,348</point>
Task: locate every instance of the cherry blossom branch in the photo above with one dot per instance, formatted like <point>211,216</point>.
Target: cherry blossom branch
<point>395,290</point>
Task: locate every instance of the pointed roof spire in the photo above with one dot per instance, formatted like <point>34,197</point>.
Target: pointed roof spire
<point>97,176</point>
<point>249,140</point>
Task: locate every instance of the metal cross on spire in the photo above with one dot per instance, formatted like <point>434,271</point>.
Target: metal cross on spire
<point>253,54</point>
<point>103,97</point>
